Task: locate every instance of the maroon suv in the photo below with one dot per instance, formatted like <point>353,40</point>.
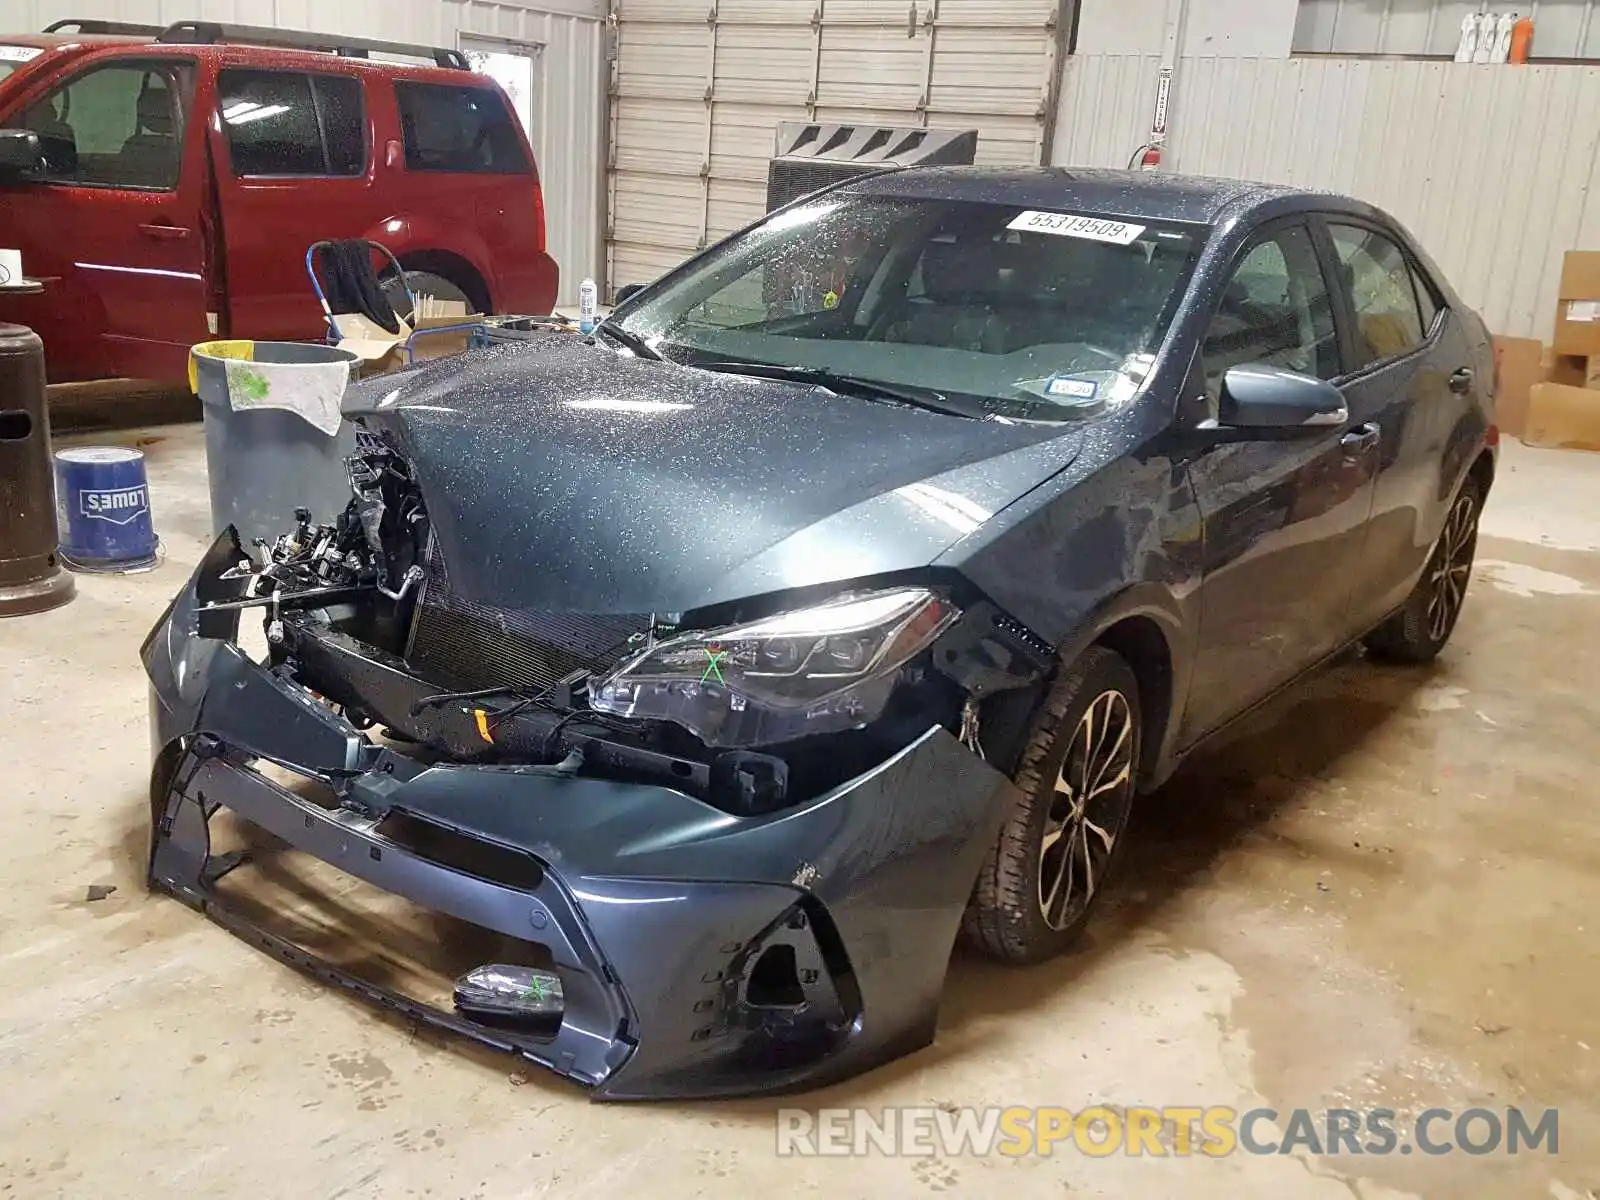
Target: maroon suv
<point>164,184</point>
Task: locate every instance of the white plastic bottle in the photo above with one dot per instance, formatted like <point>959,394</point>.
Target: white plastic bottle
<point>1504,24</point>
<point>588,306</point>
<point>1468,45</point>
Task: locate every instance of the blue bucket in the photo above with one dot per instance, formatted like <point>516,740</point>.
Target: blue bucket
<point>103,509</point>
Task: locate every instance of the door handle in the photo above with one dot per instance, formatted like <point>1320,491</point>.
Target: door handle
<point>164,233</point>
<point>1461,380</point>
<point>1360,439</point>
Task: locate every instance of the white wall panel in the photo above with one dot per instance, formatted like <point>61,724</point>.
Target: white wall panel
<point>1496,170</point>
<point>569,142</point>
<point>699,88</point>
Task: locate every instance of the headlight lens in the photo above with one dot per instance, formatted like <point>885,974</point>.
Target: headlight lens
<point>813,670</point>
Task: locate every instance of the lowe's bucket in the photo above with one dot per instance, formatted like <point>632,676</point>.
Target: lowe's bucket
<point>274,439</point>
<point>103,510</point>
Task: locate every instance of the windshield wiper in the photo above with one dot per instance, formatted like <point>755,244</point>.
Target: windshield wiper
<point>632,341</point>
<point>852,385</point>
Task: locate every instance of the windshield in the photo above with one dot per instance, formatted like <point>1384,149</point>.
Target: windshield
<point>12,58</point>
<point>1017,312</point>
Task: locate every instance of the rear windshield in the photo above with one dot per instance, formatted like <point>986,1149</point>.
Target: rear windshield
<point>1048,315</point>
<point>13,58</point>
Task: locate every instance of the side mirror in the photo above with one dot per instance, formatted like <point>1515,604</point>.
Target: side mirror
<point>21,159</point>
<point>628,292</point>
<point>1258,396</point>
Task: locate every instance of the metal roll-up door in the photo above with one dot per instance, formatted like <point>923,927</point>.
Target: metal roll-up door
<point>698,88</point>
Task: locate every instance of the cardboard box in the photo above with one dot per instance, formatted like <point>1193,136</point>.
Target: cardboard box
<point>1559,415</point>
<point>1578,308</point>
<point>1519,364</point>
<point>382,352</point>
<point>1574,370</point>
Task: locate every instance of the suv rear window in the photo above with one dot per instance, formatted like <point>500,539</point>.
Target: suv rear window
<point>292,123</point>
<point>464,129</point>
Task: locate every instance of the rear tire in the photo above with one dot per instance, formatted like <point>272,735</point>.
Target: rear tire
<point>423,283</point>
<point>1421,628</point>
<point>1061,844</point>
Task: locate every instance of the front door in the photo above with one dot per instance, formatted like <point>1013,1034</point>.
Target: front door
<point>115,231</point>
<point>1284,518</point>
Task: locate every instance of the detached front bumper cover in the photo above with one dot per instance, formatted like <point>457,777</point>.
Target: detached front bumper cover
<point>699,953</point>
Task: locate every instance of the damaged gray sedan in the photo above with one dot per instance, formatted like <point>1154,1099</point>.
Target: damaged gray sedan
<point>837,596</point>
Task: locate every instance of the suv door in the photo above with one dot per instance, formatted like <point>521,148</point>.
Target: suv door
<point>115,230</point>
<point>1283,518</point>
<point>293,159</point>
<point>1407,372</point>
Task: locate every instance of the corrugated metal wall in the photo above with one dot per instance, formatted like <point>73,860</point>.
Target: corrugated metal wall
<point>700,87</point>
<point>1495,169</point>
<point>570,140</point>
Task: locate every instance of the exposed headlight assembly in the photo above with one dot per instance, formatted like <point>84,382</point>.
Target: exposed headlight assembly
<point>814,670</point>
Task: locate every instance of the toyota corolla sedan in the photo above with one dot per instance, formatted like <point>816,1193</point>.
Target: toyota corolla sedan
<point>835,600</point>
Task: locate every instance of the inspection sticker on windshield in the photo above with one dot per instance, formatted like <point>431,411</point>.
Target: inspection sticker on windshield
<point>19,53</point>
<point>1065,387</point>
<point>1096,229</point>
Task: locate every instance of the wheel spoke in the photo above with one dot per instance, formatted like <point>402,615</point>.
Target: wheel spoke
<point>1088,865</point>
<point>1107,839</point>
<point>1109,785</point>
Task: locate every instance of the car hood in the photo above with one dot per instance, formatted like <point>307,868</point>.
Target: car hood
<point>561,476</point>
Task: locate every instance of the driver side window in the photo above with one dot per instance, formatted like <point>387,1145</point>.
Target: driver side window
<point>1275,309</point>
<point>113,126</point>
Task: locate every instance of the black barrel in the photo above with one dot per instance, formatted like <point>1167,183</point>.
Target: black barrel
<point>31,576</point>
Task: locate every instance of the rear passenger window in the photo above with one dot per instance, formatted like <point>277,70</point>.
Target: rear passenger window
<point>463,129</point>
<point>290,123</point>
<point>1383,294</point>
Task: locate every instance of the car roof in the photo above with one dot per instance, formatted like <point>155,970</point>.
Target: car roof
<point>242,51</point>
<point>1153,195</point>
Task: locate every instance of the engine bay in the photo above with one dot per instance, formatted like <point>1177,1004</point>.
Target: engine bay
<point>360,612</point>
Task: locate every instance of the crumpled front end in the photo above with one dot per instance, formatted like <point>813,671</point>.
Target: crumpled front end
<point>700,951</point>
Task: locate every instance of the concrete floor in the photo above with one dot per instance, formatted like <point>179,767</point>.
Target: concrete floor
<point>1385,892</point>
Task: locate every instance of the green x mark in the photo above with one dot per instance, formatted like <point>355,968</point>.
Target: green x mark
<point>714,665</point>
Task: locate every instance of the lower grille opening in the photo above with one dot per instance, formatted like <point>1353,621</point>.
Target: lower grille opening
<point>380,938</point>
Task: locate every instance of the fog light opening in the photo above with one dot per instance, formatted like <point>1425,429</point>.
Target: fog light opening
<point>498,993</point>
<point>775,980</point>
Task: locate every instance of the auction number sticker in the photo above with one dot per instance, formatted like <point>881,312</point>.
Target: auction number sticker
<point>19,53</point>
<point>1096,229</point>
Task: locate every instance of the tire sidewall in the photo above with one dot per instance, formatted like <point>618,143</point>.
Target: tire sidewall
<point>1099,670</point>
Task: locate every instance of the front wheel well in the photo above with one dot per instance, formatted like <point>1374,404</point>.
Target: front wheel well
<point>454,268</point>
<point>1482,473</point>
<point>1144,648</point>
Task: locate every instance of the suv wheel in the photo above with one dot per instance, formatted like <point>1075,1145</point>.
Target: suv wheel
<point>1059,846</point>
<point>422,283</point>
<point>1420,629</point>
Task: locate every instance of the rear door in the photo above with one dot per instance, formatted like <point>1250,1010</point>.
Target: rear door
<point>117,229</point>
<point>1408,375</point>
<point>1284,517</point>
<point>465,155</point>
<point>294,166</point>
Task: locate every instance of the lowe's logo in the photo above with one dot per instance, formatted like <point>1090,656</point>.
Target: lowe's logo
<point>120,507</point>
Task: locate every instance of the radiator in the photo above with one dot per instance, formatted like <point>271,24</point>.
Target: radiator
<point>465,645</point>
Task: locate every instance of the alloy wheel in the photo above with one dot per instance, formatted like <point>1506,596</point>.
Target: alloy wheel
<point>1451,565</point>
<point>1093,795</point>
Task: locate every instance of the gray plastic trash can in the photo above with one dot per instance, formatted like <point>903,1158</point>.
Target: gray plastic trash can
<point>265,462</point>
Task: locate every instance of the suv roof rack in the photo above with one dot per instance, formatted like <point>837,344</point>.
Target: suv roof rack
<point>92,26</point>
<point>208,33</point>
